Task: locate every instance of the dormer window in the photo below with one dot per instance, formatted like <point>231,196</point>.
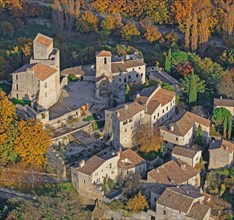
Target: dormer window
<point>105,60</point>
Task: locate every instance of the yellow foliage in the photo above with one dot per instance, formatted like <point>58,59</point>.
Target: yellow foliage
<point>7,115</point>
<point>32,142</point>
<point>138,203</point>
<point>152,34</point>
<point>129,31</point>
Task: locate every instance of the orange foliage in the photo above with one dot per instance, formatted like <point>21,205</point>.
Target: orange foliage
<point>7,115</point>
<point>32,142</point>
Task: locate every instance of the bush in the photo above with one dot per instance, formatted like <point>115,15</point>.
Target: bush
<point>72,78</point>
<point>20,101</point>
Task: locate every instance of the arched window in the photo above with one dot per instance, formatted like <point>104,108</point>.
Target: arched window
<point>105,60</point>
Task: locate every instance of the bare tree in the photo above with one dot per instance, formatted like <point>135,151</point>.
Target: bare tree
<point>58,16</point>
<point>72,11</point>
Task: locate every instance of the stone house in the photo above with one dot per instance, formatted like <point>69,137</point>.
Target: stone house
<point>117,71</point>
<point>125,121</point>
<point>90,175</point>
<point>225,103</point>
<point>189,155</point>
<point>39,81</point>
<point>131,162</point>
<point>221,154</point>
<point>158,103</point>
<point>182,202</point>
<point>182,131</point>
<point>174,173</point>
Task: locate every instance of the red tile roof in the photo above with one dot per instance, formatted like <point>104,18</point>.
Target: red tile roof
<point>104,53</point>
<point>44,40</point>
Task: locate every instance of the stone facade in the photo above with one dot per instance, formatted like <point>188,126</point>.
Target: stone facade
<point>181,132</point>
<point>117,71</point>
<point>221,154</point>
<point>39,81</point>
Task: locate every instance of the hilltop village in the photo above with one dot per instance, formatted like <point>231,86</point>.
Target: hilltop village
<point>120,136</point>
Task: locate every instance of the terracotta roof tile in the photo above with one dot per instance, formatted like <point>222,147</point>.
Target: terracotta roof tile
<point>41,72</point>
<point>133,63</point>
<point>222,145</point>
<point>184,124</point>
<point>118,68</point>
<point>198,211</point>
<point>224,102</point>
<point>44,40</point>
<point>173,172</point>
<point>91,165</point>
<point>129,159</point>
<point>73,70</point>
<point>129,110</point>
<point>104,53</point>
<point>184,151</point>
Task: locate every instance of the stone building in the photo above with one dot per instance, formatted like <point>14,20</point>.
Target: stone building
<point>225,103</point>
<point>158,103</point>
<point>39,81</point>
<point>125,121</point>
<point>117,71</point>
<point>182,202</point>
<point>221,154</point>
<point>174,173</point>
<point>88,178</point>
<point>182,131</point>
<point>189,155</point>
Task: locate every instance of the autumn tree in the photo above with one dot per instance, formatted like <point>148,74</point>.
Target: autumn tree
<point>131,184</point>
<point>226,84</point>
<point>7,116</point>
<point>87,22</point>
<point>32,142</point>
<point>147,138</point>
<point>152,34</point>
<point>129,31</point>
<point>138,203</point>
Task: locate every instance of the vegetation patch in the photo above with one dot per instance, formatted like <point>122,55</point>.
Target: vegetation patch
<point>5,87</point>
<point>20,101</point>
<point>72,78</point>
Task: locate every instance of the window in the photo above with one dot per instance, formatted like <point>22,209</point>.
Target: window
<point>137,75</point>
<point>132,69</point>
<point>84,180</point>
<point>167,107</point>
<point>177,139</point>
<point>105,60</point>
<point>158,114</point>
<point>141,74</point>
<point>17,96</point>
<point>154,117</point>
<point>129,77</point>
<point>110,165</point>
<point>45,85</point>
<point>119,74</point>
<point>16,86</point>
<point>16,77</point>
<point>126,130</point>
<point>163,111</point>
<point>164,212</point>
<point>125,80</point>
<point>120,79</point>
<point>139,68</point>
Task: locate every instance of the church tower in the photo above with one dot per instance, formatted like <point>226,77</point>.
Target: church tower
<point>103,64</point>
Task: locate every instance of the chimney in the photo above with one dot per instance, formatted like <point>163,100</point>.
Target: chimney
<point>182,166</point>
<point>117,113</point>
<point>127,57</point>
<point>138,95</point>
<point>82,163</point>
<point>157,170</point>
<point>171,127</point>
<point>126,107</point>
<point>221,97</point>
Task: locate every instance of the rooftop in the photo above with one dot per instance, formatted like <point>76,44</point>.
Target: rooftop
<point>104,53</point>
<point>185,123</point>
<point>129,159</point>
<point>128,111</point>
<point>173,172</point>
<point>43,39</point>
<point>184,151</point>
<point>41,72</point>
<point>224,102</point>
<point>222,145</point>
<point>91,165</point>
<point>180,199</point>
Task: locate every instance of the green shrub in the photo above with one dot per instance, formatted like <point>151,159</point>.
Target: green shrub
<point>72,78</point>
<point>20,101</point>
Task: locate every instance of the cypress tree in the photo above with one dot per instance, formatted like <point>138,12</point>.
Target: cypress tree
<point>192,89</point>
<point>168,62</point>
<point>198,135</point>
